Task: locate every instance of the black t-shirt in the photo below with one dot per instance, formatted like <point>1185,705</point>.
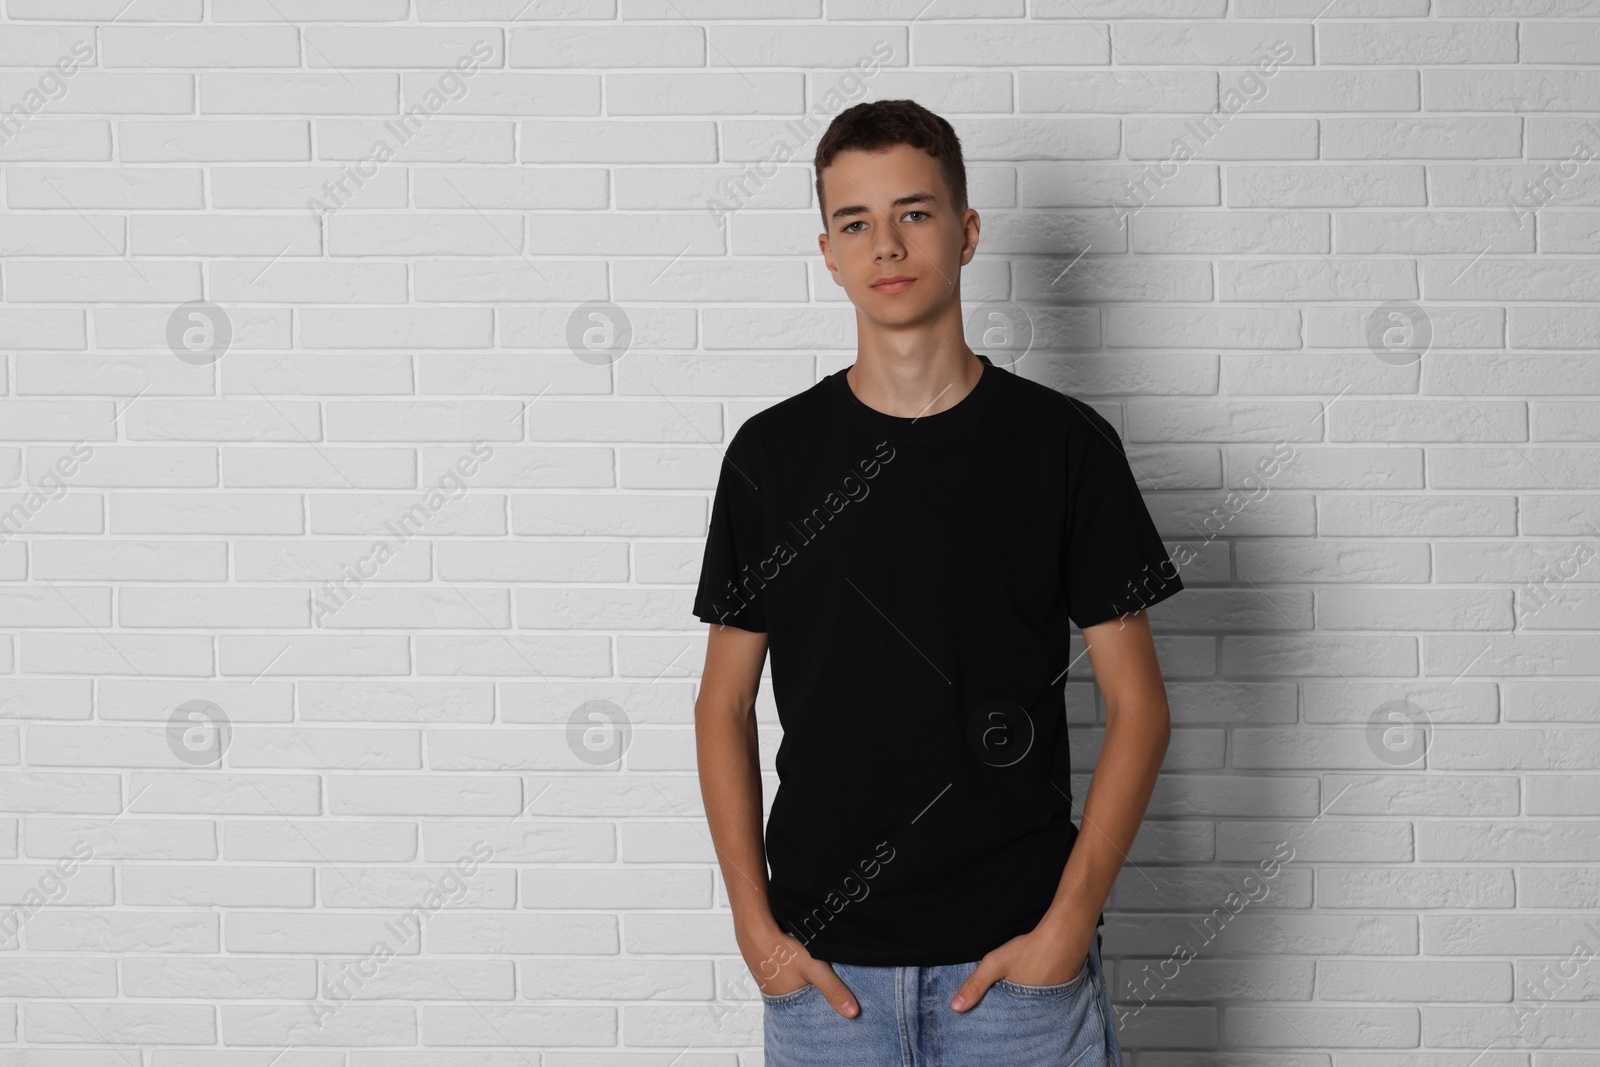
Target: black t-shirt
<point>915,578</point>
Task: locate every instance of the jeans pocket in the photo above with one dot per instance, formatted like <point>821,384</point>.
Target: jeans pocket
<point>1060,989</point>
<point>773,1000</point>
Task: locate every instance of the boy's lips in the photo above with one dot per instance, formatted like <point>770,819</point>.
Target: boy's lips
<point>893,285</point>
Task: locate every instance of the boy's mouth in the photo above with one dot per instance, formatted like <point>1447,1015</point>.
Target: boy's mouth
<point>893,284</point>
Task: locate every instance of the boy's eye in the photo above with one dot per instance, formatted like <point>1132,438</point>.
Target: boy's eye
<point>851,227</point>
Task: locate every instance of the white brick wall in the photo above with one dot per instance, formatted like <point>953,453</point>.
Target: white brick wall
<point>404,734</point>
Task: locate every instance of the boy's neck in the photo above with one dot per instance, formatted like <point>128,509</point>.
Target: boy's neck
<point>912,385</point>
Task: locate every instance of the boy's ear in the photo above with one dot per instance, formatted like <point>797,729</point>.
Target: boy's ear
<point>827,258</point>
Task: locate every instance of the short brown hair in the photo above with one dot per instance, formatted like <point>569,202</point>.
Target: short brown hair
<point>874,125</point>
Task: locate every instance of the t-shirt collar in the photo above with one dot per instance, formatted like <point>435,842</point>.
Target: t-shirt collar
<point>937,424</point>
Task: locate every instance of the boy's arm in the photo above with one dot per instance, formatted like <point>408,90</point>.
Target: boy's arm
<point>730,776</point>
<point>1138,727</point>
<point>730,784</point>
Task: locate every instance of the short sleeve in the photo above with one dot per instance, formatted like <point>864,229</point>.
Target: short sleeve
<point>730,590</point>
<point>1113,557</point>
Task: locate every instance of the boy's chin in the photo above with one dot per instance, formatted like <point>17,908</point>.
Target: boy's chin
<point>893,308</point>
<point>895,317</point>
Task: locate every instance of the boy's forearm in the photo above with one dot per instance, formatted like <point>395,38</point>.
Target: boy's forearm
<point>730,785</point>
<point>1119,793</point>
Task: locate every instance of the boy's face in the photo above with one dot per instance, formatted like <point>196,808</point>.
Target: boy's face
<point>890,215</point>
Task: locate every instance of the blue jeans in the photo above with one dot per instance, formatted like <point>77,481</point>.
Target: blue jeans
<point>906,1021</point>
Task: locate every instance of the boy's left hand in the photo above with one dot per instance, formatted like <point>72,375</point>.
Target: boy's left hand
<point>1043,956</point>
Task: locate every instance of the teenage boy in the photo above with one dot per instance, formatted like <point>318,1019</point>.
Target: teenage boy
<point>910,538</point>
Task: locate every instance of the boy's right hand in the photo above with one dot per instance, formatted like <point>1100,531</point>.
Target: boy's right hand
<point>781,964</point>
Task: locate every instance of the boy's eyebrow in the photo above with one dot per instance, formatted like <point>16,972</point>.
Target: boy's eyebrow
<point>900,202</point>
